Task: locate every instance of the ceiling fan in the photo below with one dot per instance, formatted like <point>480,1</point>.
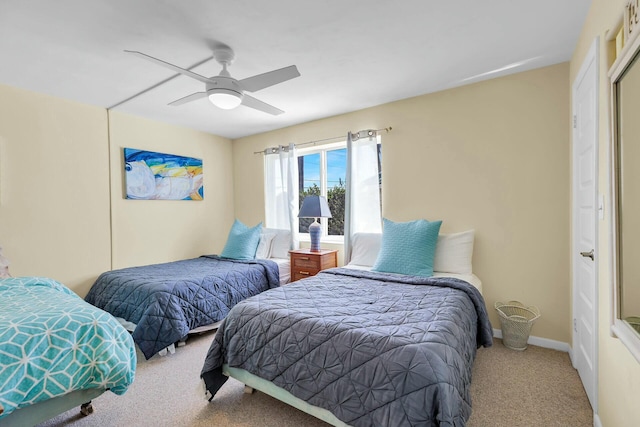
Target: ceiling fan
<point>223,90</point>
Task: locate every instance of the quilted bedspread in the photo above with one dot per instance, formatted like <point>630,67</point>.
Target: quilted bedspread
<point>53,343</point>
<point>165,301</point>
<point>375,349</point>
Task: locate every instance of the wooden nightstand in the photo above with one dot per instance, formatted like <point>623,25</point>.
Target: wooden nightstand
<point>307,263</point>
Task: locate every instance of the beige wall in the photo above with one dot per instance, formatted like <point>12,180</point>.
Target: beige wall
<point>618,371</point>
<point>492,156</point>
<point>152,231</point>
<point>59,161</point>
<point>54,187</point>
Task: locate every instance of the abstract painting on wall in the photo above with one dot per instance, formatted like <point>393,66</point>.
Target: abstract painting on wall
<point>159,176</point>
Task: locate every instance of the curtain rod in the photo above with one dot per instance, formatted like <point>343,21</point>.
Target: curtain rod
<point>387,129</point>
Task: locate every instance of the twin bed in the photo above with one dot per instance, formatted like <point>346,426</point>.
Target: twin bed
<point>56,351</point>
<point>162,303</point>
<point>356,347</point>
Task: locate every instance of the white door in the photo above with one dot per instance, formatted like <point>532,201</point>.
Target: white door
<point>585,226</point>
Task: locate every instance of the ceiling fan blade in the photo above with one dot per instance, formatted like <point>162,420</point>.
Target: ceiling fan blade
<point>271,78</point>
<point>250,101</point>
<point>170,66</point>
<point>188,98</point>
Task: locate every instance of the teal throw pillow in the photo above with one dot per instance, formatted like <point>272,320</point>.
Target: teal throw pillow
<point>242,241</point>
<point>408,247</point>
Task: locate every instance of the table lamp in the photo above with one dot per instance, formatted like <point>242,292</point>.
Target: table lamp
<point>314,207</point>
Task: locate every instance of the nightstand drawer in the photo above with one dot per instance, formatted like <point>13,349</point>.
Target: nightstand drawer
<point>306,262</point>
<point>297,275</point>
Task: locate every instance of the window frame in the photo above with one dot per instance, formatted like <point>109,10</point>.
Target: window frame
<point>324,222</point>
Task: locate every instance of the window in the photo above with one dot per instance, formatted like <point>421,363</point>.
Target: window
<point>323,171</point>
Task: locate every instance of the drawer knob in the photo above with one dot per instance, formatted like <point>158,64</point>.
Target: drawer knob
<point>305,273</point>
<point>305,258</point>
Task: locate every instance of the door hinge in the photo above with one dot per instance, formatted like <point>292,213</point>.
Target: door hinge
<point>575,325</point>
<point>575,121</point>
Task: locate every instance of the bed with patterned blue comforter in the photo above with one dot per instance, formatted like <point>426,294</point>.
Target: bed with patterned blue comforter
<point>53,343</point>
<point>374,349</point>
<point>166,301</point>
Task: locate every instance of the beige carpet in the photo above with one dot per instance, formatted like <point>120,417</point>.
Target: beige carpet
<point>537,387</point>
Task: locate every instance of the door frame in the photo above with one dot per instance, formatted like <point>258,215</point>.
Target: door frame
<point>592,56</point>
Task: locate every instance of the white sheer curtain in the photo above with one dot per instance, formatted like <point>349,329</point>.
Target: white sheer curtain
<point>281,190</point>
<point>362,196</point>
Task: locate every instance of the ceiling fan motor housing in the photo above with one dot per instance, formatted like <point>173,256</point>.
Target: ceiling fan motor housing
<point>221,84</point>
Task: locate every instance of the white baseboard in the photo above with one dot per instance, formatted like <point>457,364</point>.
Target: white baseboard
<point>541,342</point>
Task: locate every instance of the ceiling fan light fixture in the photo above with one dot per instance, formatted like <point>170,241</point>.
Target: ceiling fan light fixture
<point>225,98</point>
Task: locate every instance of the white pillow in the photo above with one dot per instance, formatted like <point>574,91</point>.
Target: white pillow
<point>281,243</point>
<point>454,252</point>
<point>264,247</point>
<point>365,248</point>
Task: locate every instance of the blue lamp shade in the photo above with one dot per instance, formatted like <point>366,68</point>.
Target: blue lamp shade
<point>315,207</point>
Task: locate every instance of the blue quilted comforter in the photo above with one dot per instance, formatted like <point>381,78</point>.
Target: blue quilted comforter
<point>375,349</point>
<point>53,343</point>
<point>165,301</point>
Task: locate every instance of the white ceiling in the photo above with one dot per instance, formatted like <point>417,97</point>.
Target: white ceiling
<point>351,54</point>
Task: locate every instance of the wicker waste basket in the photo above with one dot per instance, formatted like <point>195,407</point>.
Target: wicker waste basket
<point>516,320</point>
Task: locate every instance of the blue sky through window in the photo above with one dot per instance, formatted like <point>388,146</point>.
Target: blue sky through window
<point>311,170</point>
<point>336,168</point>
